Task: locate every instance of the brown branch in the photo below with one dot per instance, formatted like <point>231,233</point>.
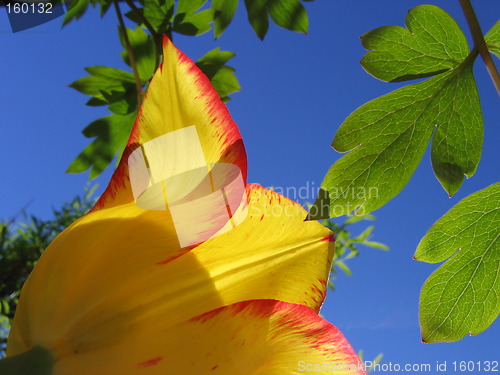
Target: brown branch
<point>479,42</point>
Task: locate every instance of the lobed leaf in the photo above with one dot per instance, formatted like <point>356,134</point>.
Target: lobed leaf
<point>492,39</point>
<point>388,136</point>
<point>432,43</point>
<point>111,134</point>
<point>462,296</point>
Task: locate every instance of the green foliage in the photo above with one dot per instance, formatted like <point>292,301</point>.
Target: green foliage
<point>388,136</point>
<point>224,11</point>
<point>386,139</point>
<point>463,295</point>
<point>373,363</point>
<point>431,44</point>
<point>188,21</point>
<point>493,39</point>
<point>145,53</point>
<point>111,134</point>
<point>346,245</point>
<point>21,244</point>
<point>289,14</point>
<point>222,77</point>
<point>76,9</point>
<point>122,91</point>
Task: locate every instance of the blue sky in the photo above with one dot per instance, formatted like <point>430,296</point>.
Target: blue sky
<point>296,91</point>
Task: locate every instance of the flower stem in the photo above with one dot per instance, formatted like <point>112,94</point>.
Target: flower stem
<point>479,42</point>
<point>36,361</point>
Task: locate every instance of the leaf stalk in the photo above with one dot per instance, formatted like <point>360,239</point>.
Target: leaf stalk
<point>479,42</point>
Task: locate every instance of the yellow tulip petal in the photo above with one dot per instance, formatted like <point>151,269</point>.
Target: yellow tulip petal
<point>120,270</point>
<point>260,337</point>
<point>179,96</point>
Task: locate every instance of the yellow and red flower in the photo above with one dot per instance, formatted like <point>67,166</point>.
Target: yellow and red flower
<point>135,287</point>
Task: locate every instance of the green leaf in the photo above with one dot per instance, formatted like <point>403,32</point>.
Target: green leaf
<point>193,24</point>
<point>221,76</point>
<point>376,245</point>
<point>189,6</point>
<point>343,267</point>
<point>258,16</point>
<point>103,78</point>
<point>493,39</point>
<point>224,11</point>
<point>433,43</point>
<point>76,9</point>
<point>144,49</point>
<point>104,6</point>
<point>111,134</point>
<point>388,136</point>
<point>160,14</point>
<point>463,295</point>
<point>289,14</point>
<point>122,103</point>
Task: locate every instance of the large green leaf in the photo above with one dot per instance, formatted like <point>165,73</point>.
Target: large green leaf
<point>463,295</point>
<point>111,134</point>
<point>144,50</point>
<point>289,14</point>
<point>388,136</point>
<point>433,43</point>
<point>222,77</point>
<point>493,39</point>
<point>224,11</point>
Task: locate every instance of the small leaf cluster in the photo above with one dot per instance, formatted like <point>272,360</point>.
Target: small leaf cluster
<point>122,91</point>
<point>346,245</point>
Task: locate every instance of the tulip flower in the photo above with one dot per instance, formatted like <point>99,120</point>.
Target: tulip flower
<point>181,267</point>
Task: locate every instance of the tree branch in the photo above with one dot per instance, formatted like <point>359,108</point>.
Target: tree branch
<point>131,56</point>
<point>479,42</point>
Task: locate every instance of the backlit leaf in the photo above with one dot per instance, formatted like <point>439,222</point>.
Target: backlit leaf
<point>111,134</point>
<point>221,76</point>
<point>144,49</point>
<point>76,9</point>
<point>289,14</point>
<point>493,39</point>
<point>432,43</point>
<point>223,14</point>
<point>463,295</point>
<point>388,136</point>
<point>258,16</point>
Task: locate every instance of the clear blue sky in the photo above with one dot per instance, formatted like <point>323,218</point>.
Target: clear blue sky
<point>296,91</point>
